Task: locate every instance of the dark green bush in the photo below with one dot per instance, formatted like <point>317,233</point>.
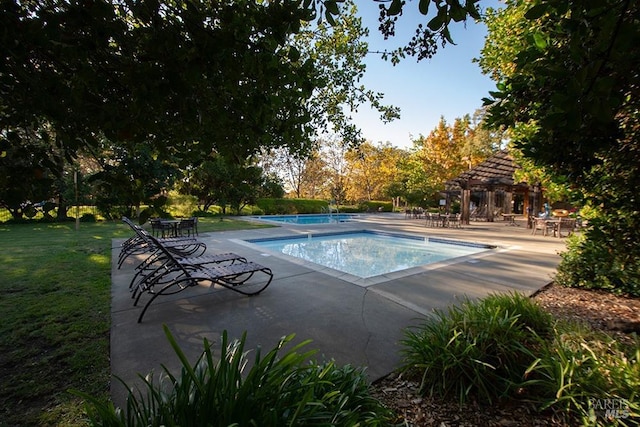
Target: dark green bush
<point>203,214</point>
<point>589,263</point>
<point>291,206</point>
<point>583,374</point>
<point>349,209</point>
<point>88,217</point>
<point>507,346</point>
<point>478,349</point>
<point>287,390</point>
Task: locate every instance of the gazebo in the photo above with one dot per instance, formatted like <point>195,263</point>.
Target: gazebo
<point>488,190</point>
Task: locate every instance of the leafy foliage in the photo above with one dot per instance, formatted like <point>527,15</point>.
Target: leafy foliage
<point>447,151</point>
<point>338,50</point>
<point>371,169</point>
<point>28,170</point>
<point>476,349</point>
<point>435,33</point>
<point>225,183</point>
<point>186,77</point>
<point>276,390</point>
<point>131,178</point>
<point>574,85</point>
<point>507,347</point>
<point>587,264</point>
<point>582,375</point>
<point>572,99</point>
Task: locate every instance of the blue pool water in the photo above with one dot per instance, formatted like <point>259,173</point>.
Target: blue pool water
<point>367,253</point>
<point>307,219</point>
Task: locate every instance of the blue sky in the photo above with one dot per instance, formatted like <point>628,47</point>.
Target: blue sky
<point>448,85</point>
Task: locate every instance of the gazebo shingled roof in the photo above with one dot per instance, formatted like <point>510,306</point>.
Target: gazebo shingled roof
<point>496,170</point>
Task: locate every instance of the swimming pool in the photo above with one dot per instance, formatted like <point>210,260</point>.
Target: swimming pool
<point>307,219</point>
<point>367,253</point>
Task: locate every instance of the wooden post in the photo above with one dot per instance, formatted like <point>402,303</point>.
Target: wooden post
<point>526,205</point>
<point>465,206</point>
<point>491,203</point>
<point>508,199</point>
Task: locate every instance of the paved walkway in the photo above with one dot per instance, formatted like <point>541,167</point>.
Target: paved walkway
<point>353,323</point>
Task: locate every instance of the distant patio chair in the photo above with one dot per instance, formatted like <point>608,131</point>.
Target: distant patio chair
<point>188,227</point>
<point>454,221</point>
<point>430,219</point>
<point>544,225</point>
<point>160,228</point>
<point>566,224</point>
<point>478,214</point>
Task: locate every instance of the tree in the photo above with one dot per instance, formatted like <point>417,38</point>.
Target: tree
<point>508,33</point>
<point>426,40</point>
<point>272,187</point>
<point>482,141</point>
<point>223,182</point>
<point>129,179</point>
<point>188,78</point>
<point>444,154</point>
<point>436,158</point>
<point>29,165</point>
<point>333,152</point>
<point>303,175</point>
<point>573,95</point>
<point>337,52</point>
<point>371,170</point>
<point>573,78</point>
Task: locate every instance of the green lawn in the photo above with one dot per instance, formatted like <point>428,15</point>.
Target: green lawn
<point>55,317</point>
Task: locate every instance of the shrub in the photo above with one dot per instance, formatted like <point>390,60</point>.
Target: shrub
<point>590,264</point>
<point>376,206</point>
<point>290,206</point>
<point>587,376</point>
<point>257,211</point>
<point>181,205</point>
<point>349,209</point>
<point>507,346</point>
<point>287,390</point>
<point>88,217</point>
<point>476,349</point>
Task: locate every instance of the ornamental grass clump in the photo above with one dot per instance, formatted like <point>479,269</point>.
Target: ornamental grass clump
<point>588,377</point>
<point>277,390</point>
<point>476,350</point>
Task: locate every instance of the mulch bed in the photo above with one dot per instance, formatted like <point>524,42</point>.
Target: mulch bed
<point>617,315</point>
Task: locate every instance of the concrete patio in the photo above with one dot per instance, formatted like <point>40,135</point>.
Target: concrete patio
<point>353,323</point>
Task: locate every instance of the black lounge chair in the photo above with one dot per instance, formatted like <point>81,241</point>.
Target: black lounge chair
<point>160,265</point>
<point>140,244</point>
<point>182,274</point>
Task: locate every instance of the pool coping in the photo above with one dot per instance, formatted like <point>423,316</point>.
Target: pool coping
<point>366,282</point>
<point>264,219</point>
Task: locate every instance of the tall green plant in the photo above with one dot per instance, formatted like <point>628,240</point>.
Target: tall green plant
<point>587,376</point>
<point>589,263</point>
<point>287,390</point>
<point>476,349</point>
